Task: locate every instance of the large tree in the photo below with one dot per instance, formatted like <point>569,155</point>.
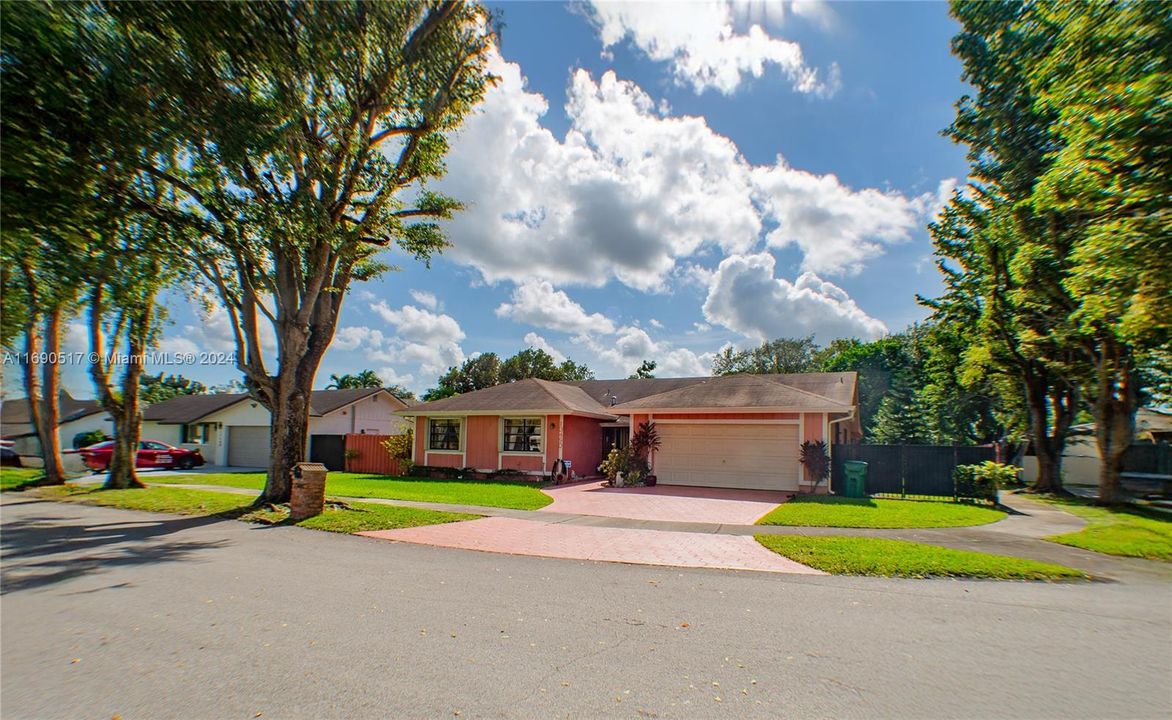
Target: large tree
<point>783,355</point>
<point>1002,258</point>
<point>1107,82</point>
<point>66,100</point>
<point>157,388</point>
<point>312,132</point>
<point>487,369</point>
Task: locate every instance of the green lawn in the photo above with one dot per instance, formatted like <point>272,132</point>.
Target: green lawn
<point>1130,532</point>
<point>17,478</point>
<point>899,558</point>
<point>836,511</point>
<point>486,493</point>
<point>341,518</point>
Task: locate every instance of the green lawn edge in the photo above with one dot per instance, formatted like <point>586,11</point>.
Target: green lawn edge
<point>14,479</point>
<point>1122,531</point>
<point>878,513</point>
<point>338,517</point>
<point>882,557</point>
<point>481,493</point>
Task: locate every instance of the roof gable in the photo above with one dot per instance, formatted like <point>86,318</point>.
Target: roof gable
<point>792,392</point>
<point>529,395</point>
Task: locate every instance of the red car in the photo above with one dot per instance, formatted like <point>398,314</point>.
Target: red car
<point>151,454</point>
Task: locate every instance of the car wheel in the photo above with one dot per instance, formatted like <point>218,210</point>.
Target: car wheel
<point>186,464</point>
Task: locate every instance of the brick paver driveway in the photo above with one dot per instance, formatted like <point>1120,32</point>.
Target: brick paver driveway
<point>665,502</point>
<point>606,544</point>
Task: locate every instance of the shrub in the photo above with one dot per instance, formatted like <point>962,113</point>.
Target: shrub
<point>1003,475</point>
<point>815,457</point>
<point>86,439</point>
<point>979,482</point>
<point>644,442</point>
<point>617,461</point>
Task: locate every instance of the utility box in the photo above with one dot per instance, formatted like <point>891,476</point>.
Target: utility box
<point>856,478</point>
<point>308,496</point>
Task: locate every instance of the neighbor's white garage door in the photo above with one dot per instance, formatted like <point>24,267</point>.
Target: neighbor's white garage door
<point>758,457</point>
<point>248,445</point>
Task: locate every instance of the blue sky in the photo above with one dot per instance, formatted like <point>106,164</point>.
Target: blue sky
<point>659,181</point>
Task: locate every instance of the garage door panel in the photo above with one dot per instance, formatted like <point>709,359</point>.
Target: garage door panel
<point>754,456</point>
<point>248,445</point>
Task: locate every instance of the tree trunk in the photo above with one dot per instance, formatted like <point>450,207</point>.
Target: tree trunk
<point>41,390</point>
<point>127,420</point>
<point>1051,411</point>
<point>289,434</point>
<point>1114,409</point>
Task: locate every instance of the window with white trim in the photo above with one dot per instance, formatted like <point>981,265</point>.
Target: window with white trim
<point>443,434</point>
<point>521,434</point>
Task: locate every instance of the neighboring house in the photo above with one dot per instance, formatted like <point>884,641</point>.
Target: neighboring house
<point>738,431</point>
<point>232,429</point>
<point>74,417</point>
<point>1080,458</point>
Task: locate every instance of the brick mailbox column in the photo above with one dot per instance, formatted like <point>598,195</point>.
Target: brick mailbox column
<point>308,496</point>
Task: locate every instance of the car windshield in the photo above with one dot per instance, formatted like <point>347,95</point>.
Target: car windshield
<point>101,445</point>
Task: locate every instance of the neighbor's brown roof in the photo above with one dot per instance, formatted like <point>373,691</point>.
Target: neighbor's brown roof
<point>16,410</point>
<point>324,402</point>
<point>186,409</point>
<point>806,391</point>
<point>529,395</point>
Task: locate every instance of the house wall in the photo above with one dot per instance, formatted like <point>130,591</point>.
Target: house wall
<point>580,442</point>
<point>583,445</point>
<point>98,421</point>
<point>812,426</point>
<point>375,415</point>
<point>170,434</point>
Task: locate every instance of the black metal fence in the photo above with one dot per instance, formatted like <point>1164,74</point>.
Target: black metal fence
<point>329,450</point>
<point>906,470</point>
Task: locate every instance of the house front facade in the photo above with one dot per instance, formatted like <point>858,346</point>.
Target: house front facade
<point>742,431</point>
<point>233,429</point>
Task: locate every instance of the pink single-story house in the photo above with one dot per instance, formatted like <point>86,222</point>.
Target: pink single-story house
<point>737,431</point>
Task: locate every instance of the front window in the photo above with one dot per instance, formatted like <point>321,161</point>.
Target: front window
<point>197,433</point>
<point>522,435</point>
<point>443,434</point>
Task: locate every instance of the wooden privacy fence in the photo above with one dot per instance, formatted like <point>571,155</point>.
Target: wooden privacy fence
<point>365,453</point>
<point>907,470</point>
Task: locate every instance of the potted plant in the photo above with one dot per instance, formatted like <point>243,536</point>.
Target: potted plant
<point>644,442</point>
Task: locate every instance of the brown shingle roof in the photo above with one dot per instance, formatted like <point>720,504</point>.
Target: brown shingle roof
<point>812,391</point>
<point>16,410</point>
<point>612,392</point>
<point>530,395</point>
<point>822,391</point>
<point>324,402</point>
<point>184,409</point>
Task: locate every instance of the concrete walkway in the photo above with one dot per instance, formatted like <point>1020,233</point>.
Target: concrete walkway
<point>606,544</point>
<point>676,503</point>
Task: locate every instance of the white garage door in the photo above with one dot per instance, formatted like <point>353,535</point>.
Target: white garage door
<point>759,457</point>
<point>248,445</point>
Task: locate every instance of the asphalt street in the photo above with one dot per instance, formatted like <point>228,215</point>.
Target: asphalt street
<point>107,612</point>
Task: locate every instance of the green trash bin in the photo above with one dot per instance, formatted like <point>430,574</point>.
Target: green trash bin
<point>856,478</point>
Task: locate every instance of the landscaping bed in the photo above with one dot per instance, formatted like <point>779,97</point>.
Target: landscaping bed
<point>836,511</point>
<point>337,517</point>
<point>485,493</point>
<point>898,558</point>
<point>1125,531</point>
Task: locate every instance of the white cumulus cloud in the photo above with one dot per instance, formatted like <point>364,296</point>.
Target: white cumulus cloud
<point>538,303</point>
<point>704,49</point>
<point>745,296</point>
